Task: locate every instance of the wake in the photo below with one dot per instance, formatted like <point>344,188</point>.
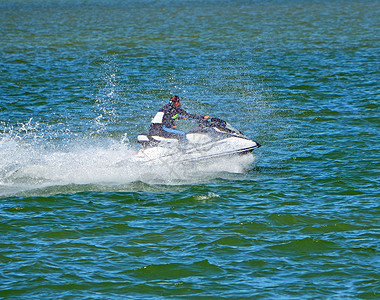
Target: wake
<point>37,162</point>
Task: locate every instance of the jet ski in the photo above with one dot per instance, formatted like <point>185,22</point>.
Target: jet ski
<point>211,139</point>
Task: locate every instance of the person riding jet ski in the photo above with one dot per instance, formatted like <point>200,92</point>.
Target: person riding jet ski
<point>163,124</point>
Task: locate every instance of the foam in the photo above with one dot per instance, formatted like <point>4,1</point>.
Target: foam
<point>34,160</point>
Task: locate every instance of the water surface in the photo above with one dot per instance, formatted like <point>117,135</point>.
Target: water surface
<point>81,79</point>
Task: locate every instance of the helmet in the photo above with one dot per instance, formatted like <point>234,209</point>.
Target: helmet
<point>176,101</point>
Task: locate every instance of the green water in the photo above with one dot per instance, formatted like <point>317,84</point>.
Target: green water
<point>80,80</point>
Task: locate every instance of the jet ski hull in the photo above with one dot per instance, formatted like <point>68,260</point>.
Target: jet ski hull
<point>204,143</point>
<point>227,147</point>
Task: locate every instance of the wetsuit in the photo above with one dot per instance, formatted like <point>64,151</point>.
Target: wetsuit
<point>163,124</point>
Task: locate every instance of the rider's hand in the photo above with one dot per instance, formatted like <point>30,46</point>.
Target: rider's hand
<point>206,117</point>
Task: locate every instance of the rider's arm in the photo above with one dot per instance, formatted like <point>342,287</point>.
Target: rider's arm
<point>184,114</point>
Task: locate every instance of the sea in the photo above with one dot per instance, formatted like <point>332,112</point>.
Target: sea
<point>81,79</point>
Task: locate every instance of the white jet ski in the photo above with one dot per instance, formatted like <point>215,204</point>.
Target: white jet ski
<point>210,140</point>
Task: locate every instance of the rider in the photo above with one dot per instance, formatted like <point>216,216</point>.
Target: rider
<point>163,124</point>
